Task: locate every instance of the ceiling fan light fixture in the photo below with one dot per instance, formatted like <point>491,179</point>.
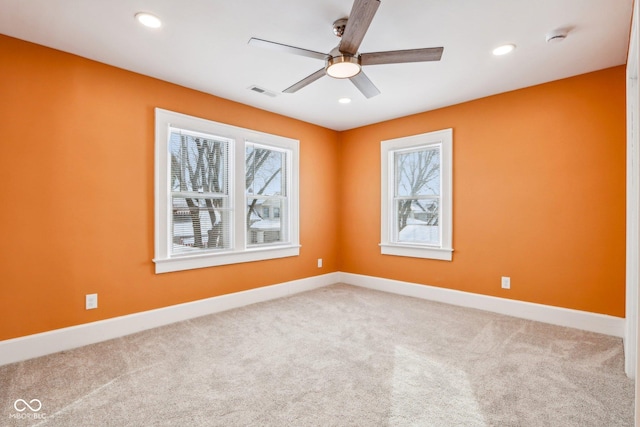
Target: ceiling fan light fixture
<point>343,66</point>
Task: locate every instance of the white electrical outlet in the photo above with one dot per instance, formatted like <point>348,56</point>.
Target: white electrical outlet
<point>506,282</point>
<point>91,301</point>
<point>319,262</point>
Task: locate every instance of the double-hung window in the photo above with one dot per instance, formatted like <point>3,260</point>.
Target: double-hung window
<point>417,196</point>
<point>223,194</point>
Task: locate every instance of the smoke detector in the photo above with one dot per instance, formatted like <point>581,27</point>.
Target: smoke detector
<point>557,35</point>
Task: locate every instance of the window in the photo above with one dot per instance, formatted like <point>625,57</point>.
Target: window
<point>216,187</point>
<point>201,211</point>
<point>417,196</point>
<point>266,188</point>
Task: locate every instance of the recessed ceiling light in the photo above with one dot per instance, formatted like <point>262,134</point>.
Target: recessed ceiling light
<point>148,20</point>
<point>344,100</point>
<point>504,49</point>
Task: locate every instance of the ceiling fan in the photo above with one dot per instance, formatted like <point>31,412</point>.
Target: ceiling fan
<point>344,61</point>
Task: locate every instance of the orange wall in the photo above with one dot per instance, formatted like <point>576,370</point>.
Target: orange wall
<point>538,195</point>
<point>76,180</point>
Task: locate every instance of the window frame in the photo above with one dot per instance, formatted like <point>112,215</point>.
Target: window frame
<point>239,252</point>
<point>388,241</point>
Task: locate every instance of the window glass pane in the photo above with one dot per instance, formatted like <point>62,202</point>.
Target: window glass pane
<point>417,221</point>
<point>263,226</point>
<point>198,164</point>
<point>264,171</point>
<point>200,224</point>
<point>266,194</point>
<point>417,173</point>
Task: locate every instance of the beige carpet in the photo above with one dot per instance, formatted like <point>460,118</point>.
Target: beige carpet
<point>335,356</point>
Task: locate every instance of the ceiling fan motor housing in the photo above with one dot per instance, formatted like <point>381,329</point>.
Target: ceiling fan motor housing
<point>339,26</point>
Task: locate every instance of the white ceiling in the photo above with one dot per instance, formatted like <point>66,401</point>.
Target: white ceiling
<point>203,45</point>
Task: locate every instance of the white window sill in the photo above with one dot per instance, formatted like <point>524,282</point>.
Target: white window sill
<point>413,251</point>
<point>190,262</point>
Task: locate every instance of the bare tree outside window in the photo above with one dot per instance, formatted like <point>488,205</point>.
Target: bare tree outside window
<point>200,192</point>
<point>200,196</point>
<point>266,192</point>
<point>417,195</point>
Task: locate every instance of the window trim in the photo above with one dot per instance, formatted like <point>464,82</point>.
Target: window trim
<point>388,246</point>
<point>240,252</point>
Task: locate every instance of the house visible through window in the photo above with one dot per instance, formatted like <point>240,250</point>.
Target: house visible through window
<point>416,196</point>
<point>204,171</point>
<point>266,192</point>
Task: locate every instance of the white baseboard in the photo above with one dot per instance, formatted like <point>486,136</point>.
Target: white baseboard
<point>30,346</point>
<point>27,347</point>
<point>583,320</point>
